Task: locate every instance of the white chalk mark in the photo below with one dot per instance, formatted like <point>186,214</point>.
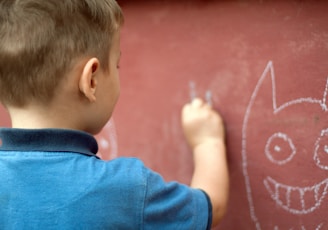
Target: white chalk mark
<point>208,97</point>
<point>324,100</point>
<point>193,93</point>
<point>192,88</point>
<point>244,156</point>
<point>107,141</point>
<point>319,226</point>
<point>281,194</point>
<point>321,150</point>
<point>319,190</point>
<point>302,227</point>
<point>271,155</point>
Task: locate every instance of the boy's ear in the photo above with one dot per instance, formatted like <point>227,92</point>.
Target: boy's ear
<point>88,79</point>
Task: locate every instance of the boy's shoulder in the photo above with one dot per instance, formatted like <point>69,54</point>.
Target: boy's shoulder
<point>125,169</point>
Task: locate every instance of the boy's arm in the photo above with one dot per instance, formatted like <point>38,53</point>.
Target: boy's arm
<point>204,131</point>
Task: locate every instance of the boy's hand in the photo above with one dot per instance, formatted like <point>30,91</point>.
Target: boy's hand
<point>201,124</point>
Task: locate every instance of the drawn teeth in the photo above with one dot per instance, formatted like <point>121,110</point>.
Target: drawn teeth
<point>283,194</point>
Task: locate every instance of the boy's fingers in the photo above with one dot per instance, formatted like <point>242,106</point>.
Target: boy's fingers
<point>197,102</point>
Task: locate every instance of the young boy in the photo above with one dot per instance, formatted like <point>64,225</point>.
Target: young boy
<point>59,81</point>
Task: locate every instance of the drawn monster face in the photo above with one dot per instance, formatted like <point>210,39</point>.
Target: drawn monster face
<point>285,158</point>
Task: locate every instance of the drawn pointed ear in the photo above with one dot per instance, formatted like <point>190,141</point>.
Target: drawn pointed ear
<point>266,83</point>
<point>325,98</point>
<point>88,79</point>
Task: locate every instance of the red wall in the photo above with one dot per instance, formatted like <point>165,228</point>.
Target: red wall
<point>265,65</point>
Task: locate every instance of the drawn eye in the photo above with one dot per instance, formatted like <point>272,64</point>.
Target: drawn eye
<point>280,148</point>
<point>321,150</point>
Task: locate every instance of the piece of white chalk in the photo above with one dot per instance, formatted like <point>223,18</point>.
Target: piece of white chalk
<point>192,87</point>
<point>208,97</point>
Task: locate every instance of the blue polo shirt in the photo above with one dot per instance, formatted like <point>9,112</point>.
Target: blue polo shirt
<point>52,179</point>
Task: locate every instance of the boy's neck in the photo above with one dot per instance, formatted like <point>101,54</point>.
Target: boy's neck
<point>39,117</point>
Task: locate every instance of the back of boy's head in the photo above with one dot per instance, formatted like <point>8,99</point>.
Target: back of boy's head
<point>41,39</point>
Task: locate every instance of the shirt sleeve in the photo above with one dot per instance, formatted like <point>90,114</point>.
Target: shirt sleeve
<point>174,206</point>
<point>209,223</point>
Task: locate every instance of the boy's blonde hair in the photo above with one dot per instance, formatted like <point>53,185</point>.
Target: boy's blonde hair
<point>40,39</point>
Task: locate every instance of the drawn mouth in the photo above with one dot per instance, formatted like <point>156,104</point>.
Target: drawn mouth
<point>297,200</point>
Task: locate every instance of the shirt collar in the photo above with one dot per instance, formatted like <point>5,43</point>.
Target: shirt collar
<point>47,140</point>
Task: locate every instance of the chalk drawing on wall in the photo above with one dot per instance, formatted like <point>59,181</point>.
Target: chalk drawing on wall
<point>280,150</point>
<point>107,141</point>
